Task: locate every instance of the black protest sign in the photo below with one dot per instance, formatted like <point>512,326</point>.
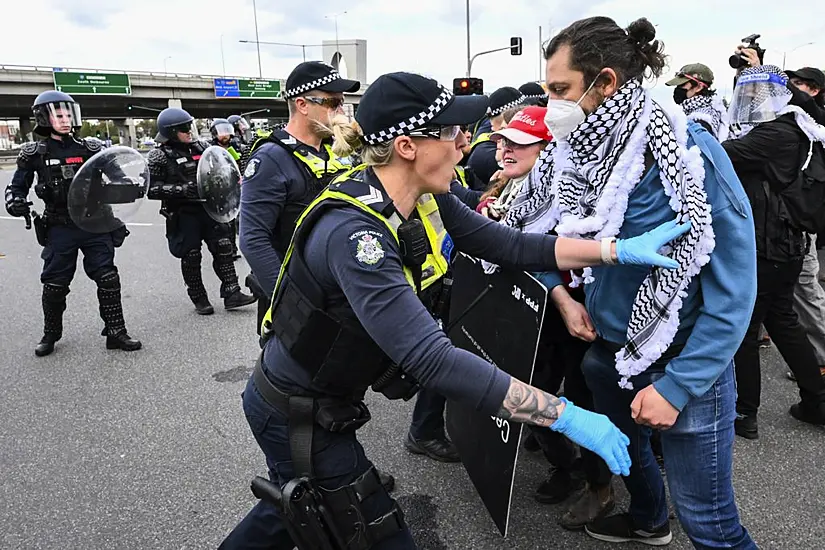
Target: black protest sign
<point>503,327</point>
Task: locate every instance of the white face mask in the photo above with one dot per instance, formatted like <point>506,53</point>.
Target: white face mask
<point>563,116</point>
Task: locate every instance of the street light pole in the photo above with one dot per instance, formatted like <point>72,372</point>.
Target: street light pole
<point>469,61</point>
<point>255,15</point>
<point>223,61</point>
<point>165,70</point>
<point>337,43</point>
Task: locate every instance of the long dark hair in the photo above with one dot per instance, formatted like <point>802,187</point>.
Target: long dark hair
<point>598,42</point>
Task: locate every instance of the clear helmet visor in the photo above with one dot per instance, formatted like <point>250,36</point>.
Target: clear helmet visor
<point>60,116</point>
<point>223,130</point>
<point>757,98</point>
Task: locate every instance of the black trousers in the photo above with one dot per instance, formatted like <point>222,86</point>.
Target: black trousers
<point>774,309</point>
<point>559,359</point>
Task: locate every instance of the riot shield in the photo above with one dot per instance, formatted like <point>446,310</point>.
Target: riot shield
<point>108,189</point>
<point>219,184</point>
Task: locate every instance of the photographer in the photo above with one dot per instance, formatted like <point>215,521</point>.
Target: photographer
<point>768,159</point>
<point>700,103</point>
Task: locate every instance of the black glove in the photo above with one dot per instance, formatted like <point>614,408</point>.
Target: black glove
<point>17,207</point>
<point>191,191</point>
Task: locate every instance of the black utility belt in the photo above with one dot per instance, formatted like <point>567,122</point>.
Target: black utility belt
<point>333,415</point>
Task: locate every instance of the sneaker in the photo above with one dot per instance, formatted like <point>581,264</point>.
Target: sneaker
<point>620,528</point>
<point>765,342</point>
<point>559,486</point>
<point>593,504</point>
<point>746,426</point>
<point>441,450</point>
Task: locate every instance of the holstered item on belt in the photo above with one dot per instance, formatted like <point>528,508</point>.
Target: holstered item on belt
<point>323,519</point>
<point>396,384</point>
<point>41,230</point>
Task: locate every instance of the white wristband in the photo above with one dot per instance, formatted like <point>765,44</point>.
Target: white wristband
<point>606,253</point>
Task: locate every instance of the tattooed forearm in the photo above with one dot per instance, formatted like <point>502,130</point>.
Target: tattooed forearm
<point>529,405</point>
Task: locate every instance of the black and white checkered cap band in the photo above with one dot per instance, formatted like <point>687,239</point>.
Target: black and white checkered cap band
<point>535,96</point>
<point>309,86</point>
<point>506,107</point>
<point>413,123</point>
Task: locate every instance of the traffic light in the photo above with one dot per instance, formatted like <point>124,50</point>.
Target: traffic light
<point>468,86</point>
<point>515,45</point>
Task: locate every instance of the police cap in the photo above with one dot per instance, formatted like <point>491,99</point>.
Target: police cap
<point>504,99</point>
<point>316,75</point>
<point>398,103</point>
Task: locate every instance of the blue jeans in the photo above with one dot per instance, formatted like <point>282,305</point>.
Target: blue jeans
<point>337,459</point>
<point>698,452</point>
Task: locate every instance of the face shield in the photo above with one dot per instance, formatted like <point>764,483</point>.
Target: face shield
<point>60,116</point>
<point>758,97</point>
<point>243,129</point>
<point>223,131</point>
<point>185,132</point>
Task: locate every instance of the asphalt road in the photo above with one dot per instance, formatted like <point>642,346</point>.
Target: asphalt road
<point>104,449</point>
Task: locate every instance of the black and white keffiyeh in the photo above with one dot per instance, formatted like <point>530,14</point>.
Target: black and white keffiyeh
<point>580,188</point>
<point>711,110</point>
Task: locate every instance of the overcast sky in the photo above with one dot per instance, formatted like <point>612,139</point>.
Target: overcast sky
<point>424,36</point>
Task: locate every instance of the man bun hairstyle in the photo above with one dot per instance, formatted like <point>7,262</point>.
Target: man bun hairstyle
<point>599,42</point>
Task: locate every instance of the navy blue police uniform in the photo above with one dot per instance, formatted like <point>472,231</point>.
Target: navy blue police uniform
<point>281,176</point>
<point>345,269</point>
<point>173,167</point>
<point>54,160</point>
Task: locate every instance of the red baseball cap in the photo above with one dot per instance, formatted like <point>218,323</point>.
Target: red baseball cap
<point>526,128</point>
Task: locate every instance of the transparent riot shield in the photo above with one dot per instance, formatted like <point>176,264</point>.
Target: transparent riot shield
<point>219,184</point>
<point>108,189</point>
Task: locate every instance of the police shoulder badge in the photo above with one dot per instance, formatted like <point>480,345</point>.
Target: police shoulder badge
<point>251,168</point>
<point>367,247</point>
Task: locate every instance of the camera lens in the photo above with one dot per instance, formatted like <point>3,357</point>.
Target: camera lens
<point>736,61</point>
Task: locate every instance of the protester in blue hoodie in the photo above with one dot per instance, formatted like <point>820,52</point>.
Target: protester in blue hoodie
<point>664,341</point>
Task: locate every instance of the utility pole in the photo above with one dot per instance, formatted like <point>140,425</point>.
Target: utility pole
<point>469,57</point>
<point>255,15</point>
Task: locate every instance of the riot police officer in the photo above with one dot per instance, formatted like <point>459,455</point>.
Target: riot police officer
<point>225,135</point>
<point>243,130</point>
<point>288,168</point>
<point>55,158</point>
<point>346,316</point>
<point>173,168</point>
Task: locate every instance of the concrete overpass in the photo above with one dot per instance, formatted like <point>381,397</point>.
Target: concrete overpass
<point>20,84</point>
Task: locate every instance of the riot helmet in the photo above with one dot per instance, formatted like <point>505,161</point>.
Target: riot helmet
<point>172,122</point>
<point>760,94</point>
<point>242,128</point>
<point>222,130</point>
<point>55,113</point>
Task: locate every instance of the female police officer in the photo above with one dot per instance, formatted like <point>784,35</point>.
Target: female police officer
<point>345,316</point>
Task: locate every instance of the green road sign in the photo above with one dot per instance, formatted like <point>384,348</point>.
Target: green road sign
<point>92,83</point>
<point>260,88</point>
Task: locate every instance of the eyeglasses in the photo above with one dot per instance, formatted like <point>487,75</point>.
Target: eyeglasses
<point>443,133</point>
<point>333,103</point>
<point>512,144</point>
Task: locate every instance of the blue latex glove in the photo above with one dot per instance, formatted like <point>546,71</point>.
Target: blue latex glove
<point>644,249</point>
<point>597,433</point>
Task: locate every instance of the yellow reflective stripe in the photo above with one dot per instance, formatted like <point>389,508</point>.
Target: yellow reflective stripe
<point>480,139</point>
<point>427,208</point>
<point>462,176</point>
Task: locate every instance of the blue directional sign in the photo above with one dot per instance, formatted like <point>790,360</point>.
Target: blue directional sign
<point>226,87</point>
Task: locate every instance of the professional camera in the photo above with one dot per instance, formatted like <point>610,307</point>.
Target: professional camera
<point>738,61</point>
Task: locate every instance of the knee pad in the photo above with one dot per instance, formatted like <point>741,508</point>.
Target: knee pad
<point>53,292</point>
<point>108,280</point>
<point>192,257</point>
<point>223,246</point>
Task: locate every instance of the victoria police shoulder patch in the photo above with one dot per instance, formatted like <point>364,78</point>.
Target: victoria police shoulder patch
<point>368,247</point>
<point>251,168</point>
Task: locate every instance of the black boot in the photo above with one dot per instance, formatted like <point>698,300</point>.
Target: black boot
<point>238,299</point>
<point>111,311</point>
<point>190,267</point>
<point>224,266</point>
<point>54,304</point>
